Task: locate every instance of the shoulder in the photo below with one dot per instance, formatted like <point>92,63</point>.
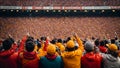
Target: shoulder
<point>58,57</point>
<point>42,58</point>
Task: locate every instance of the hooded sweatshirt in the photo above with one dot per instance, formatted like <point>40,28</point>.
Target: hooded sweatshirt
<point>51,61</point>
<point>91,60</point>
<point>110,61</point>
<point>72,59</point>
<point>28,60</point>
<point>8,59</point>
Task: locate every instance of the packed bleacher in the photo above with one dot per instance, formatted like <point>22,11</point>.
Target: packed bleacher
<point>59,26</point>
<point>60,2</point>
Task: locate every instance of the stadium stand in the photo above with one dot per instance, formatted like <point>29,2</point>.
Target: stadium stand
<point>60,2</point>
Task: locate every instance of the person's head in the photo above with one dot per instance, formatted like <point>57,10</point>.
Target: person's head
<point>89,47</point>
<point>112,41</point>
<point>102,43</point>
<point>29,46</point>
<point>7,43</point>
<point>30,38</point>
<point>116,38</point>
<point>106,42</point>
<point>113,50</point>
<point>59,41</point>
<point>54,41</point>
<point>39,45</point>
<point>97,42</point>
<point>70,46</point>
<point>51,49</point>
<point>43,38</point>
<point>93,38</point>
<point>12,40</point>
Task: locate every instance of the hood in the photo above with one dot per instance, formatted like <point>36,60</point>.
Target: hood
<point>70,54</point>
<point>50,57</point>
<point>7,53</point>
<point>29,55</point>
<point>90,56</point>
<point>111,58</point>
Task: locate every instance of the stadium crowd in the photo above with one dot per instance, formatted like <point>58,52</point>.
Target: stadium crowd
<point>59,27</point>
<point>60,2</point>
<point>71,52</point>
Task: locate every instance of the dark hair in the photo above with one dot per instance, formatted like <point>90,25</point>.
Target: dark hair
<point>12,40</point>
<point>116,38</point>
<point>68,38</point>
<point>43,38</point>
<point>53,41</point>
<point>64,41</point>
<point>70,49</point>
<point>30,38</point>
<point>39,45</point>
<point>7,43</point>
<point>88,50</point>
<point>97,42</point>
<point>102,43</point>
<point>59,40</point>
<point>29,46</point>
<point>112,41</point>
<point>93,38</point>
<point>113,53</point>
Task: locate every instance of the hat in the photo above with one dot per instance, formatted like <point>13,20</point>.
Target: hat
<point>51,49</point>
<point>70,44</point>
<point>89,46</point>
<point>113,47</point>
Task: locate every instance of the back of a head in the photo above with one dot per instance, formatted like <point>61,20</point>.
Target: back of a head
<point>30,38</point>
<point>102,43</point>
<point>59,40</point>
<point>112,41</point>
<point>7,44</point>
<point>43,38</point>
<point>97,42</point>
<point>89,46</point>
<point>29,46</point>
<point>54,41</point>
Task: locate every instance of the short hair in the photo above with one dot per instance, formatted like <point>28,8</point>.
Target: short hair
<point>53,41</point>
<point>7,43</point>
<point>29,46</point>
<point>59,40</point>
<point>97,42</point>
<point>30,38</point>
<point>112,41</point>
<point>43,38</point>
<point>102,43</point>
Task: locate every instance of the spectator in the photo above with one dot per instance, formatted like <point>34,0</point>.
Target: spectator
<point>60,46</point>
<point>111,60</point>
<point>28,58</point>
<point>72,57</point>
<point>51,60</point>
<point>8,56</point>
<point>102,47</point>
<point>90,59</point>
